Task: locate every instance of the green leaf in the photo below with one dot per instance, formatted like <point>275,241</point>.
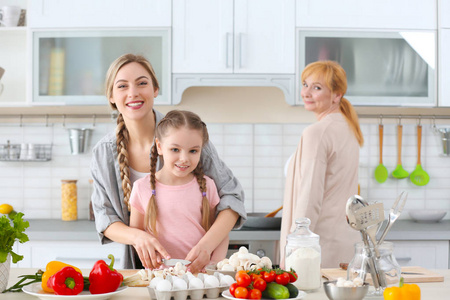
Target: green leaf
<point>9,234</point>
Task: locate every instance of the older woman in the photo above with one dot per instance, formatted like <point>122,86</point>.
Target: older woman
<point>323,173</point>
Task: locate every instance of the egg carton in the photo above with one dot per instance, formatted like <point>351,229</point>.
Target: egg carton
<point>194,294</point>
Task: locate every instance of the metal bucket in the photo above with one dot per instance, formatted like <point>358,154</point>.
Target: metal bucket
<point>79,139</point>
<point>445,139</point>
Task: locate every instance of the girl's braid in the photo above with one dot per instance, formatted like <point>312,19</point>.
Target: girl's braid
<point>152,208</point>
<point>122,157</point>
<point>198,173</point>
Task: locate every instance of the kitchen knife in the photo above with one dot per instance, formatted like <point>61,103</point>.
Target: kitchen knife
<point>173,261</point>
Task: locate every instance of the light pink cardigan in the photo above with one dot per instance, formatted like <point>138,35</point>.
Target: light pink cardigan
<point>322,175</point>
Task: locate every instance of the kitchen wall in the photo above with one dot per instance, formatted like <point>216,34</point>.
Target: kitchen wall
<point>254,131</point>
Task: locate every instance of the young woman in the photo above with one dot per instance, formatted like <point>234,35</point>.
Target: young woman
<point>177,203</point>
<point>323,173</point>
<point>122,157</point>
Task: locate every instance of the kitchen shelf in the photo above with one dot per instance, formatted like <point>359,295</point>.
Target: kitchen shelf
<point>11,152</point>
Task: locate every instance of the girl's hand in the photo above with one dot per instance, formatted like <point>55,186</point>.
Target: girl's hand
<point>150,250</point>
<point>199,257</point>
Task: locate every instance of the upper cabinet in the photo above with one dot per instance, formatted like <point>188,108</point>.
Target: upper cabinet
<point>444,53</point>
<point>98,13</point>
<point>227,36</point>
<point>377,14</point>
<point>69,66</point>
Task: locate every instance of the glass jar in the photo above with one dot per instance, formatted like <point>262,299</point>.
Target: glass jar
<point>388,267</point>
<point>69,200</point>
<point>303,255</point>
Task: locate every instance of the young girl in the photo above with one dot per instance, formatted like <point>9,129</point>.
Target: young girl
<point>177,203</point>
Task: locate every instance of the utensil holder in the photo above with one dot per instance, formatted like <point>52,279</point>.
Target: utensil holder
<point>79,139</point>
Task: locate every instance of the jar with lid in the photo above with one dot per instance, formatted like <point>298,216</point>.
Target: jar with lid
<point>386,264</point>
<point>69,200</point>
<point>303,255</point>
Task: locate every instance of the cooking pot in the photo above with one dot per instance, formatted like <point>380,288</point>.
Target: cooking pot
<point>257,220</point>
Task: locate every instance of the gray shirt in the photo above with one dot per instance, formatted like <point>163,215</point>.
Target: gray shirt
<point>107,197</point>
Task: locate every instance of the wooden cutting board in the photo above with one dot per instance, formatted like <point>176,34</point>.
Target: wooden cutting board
<point>425,276</point>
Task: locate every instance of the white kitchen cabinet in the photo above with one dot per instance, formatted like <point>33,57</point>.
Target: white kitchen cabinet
<point>226,36</point>
<point>444,70</point>
<point>379,14</point>
<point>82,254</point>
<point>426,253</point>
<point>444,13</point>
<point>13,58</point>
<point>98,13</point>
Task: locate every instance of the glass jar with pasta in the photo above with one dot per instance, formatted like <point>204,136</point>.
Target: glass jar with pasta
<point>69,200</point>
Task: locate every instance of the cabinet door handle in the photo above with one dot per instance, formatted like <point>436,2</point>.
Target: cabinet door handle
<point>227,50</point>
<point>405,259</point>
<point>240,64</point>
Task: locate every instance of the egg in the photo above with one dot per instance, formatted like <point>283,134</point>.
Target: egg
<point>155,281</point>
<point>211,281</point>
<point>226,280</point>
<point>164,286</point>
<point>179,284</point>
<point>195,283</point>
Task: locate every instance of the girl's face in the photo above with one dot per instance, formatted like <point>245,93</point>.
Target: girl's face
<point>133,91</point>
<point>317,97</point>
<point>181,149</point>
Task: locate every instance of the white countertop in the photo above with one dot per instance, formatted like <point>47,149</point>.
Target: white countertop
<point>433,290</point>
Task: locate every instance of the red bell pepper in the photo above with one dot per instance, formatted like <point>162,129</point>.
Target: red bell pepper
<point>66,281</point>
<point>103,278</point>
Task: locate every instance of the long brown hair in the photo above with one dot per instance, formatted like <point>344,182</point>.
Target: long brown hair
<point>176,119</point>
<point>121,129</point>
<point>336,80</point>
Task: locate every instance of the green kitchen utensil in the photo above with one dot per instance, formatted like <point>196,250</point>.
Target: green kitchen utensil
<point>419,176</point>
<point>381,173</point>
<point>399,172</point>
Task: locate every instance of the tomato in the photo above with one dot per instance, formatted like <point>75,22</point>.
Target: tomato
<point>243,279</point>
<point>233,288</point>
<point>282,278</point>
<point>269,276</point>
<point>292,276</point>
<point>255,294</point>
<point>241,292</point>
<point>260,284</point>
<point>254,276</point>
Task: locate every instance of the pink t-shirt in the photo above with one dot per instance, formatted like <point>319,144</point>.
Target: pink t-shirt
<point>179,214</point>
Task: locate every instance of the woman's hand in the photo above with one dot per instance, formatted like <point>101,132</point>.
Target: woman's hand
<point>199,257</point>
<point>150,250</point>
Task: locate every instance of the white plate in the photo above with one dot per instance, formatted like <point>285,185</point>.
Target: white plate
<point>427,216</point>
<point>35,289</point>
<point>300,295</point>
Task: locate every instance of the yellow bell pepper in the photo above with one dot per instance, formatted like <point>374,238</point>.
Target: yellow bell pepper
<point>402,292</point>
<point>51,268</point>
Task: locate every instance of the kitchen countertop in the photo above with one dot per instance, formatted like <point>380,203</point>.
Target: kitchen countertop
<point>430,290</point>
<point>84,230</point>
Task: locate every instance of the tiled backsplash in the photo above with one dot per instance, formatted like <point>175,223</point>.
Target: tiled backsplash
<point>255,152</point>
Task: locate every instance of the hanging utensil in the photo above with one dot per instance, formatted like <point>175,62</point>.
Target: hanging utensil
<point>419,176</point>
<point>381,173</point>
<point>399,172</point>
<point>394,214</point>
<point>272,214</point>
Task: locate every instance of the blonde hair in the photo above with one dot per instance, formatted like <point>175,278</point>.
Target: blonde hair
<point>121,129</point>
<point>336,80</point>
<point>176,119</point>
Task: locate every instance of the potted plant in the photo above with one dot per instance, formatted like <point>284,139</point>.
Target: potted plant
<point>12,228</point>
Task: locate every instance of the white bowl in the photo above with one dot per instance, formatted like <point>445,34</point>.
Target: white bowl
<point>427,216</point>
